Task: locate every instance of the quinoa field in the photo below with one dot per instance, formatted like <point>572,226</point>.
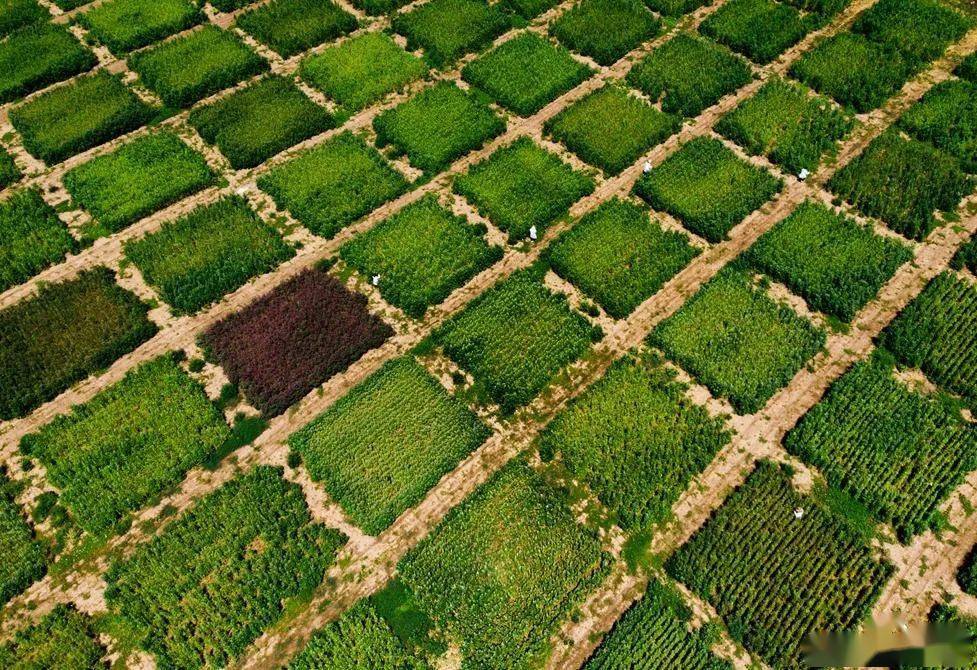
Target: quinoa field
<point>486,334</point>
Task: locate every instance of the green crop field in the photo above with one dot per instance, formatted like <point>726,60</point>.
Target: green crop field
<point>37,56</point>
<point>124,25</point>
<point>448,29</point>
<point>34,238</point>
<point>606,30</point>
<point>292,26</point>
<point>64,638</point>
<point>24,557</point>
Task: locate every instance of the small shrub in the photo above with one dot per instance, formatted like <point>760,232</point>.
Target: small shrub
<point>689,74</point>
<point>293,339</point>
<point>968,68</point>
<point>606,30</point>
<point>966,256</point>
<point>437,126</point>
<point>448,29</point>
<point>362,70</point>
<point>16,14</point>
<point>124,25</point>
<point>619,256</point>
<point>78,116</point>
<point>759,29</point>
<point>611,128</point>
<point>259,121</point>
<point>292,26</point>
<point>62,335</point>
<point>422,253</point>
<point>37,56</point>
<point>708,187</point>
<point>333,184</point>
<point>947,118</point>
<point>186,69</point>
<point>212,251</point>
<point>525,73</point>
<point>9,172</point>
<point>903,182</point>
<point>137,179</point>
<point>64,638</point>
<point>522,185</point>
<point>34,238</point>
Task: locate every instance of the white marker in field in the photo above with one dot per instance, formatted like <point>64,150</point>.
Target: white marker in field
<point>802,175</point>
<point>647,167</point>
<point>375,280</point>
<point>798,512</point>
<point>532,233</point>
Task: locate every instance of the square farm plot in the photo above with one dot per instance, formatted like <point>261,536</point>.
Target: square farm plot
<point>186,69</point>
<point>688,74</point>
<point>62,335</point>
<point>292,26</point>
<point>448,29</point>
<point>636,440</point>
<point>438,126</point>
<point>34,238</point>
<point>788,125</point>
<point>738,341</point>
<point>774,578</point>
<point>333,184</point>
<point>655,633</point>
<point>525,73</point>
<point>904,182</point>
<point>611,128</point>
<point>382,447</point>
<point>257,122</point>
<point>422,253</point>
<point>221,574</point>
<point>606,30</point>
<point>920,30</point>
<point>23,556</point>
<point>947,117</point>
<point>619,256</point>
<point>16,14</point>
<point>293,339</point>
<point>853,70</point>
<point>38,56</point>
<point>834,263</point>
<point>139,438</point>
<point>515,338</point>
<point>362,70</point>
<point>898,452</point>
<point>124,25</point>
<point>521,186</point>
<point>708,187</point>
<point>937,333</point>
<point>761,30</point>
<point>64,638</point>
<point>197,259</point>
<point>75,117</point>
<point>504,569</point>
<point>137,179</point>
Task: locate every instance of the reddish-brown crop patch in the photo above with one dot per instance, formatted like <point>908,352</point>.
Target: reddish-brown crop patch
<point>292,340</point>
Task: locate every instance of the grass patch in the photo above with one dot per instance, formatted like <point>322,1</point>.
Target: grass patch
<point>448,29</point>
<point>223,572</point>
<point>788,126</point>
<point>293,26</point>
<point>606,30</point>
<point>738,341</point>
<point>62,335</point>
<point>34,238</point>
<point>37,56</point>
<point>137,179</point>
<point>708,187</point>
<point>636,440</point>
<point>504,568</point>
<point>904,182</point>
<point>515,338</point>
<point>78,116</point>
<point>215,249</point>
<point>124,25</point>
<point>761,30</point>
<point>384,445</point>
<point>64,638</point>
<point>947,117</point>
<point>437,126</point>
<point>140,438</point>
<point>362,70</point>
<point>521,186</point>
<point>259,121</point>
<point>525,73</point>
<point>611,128</point>
<point>773,578</point>
<point>831,261</point>
<point>187,69</point>
<point>422,253</point>
<point>619,256</point>
<point>688,74</point>
<point>333,184</point>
